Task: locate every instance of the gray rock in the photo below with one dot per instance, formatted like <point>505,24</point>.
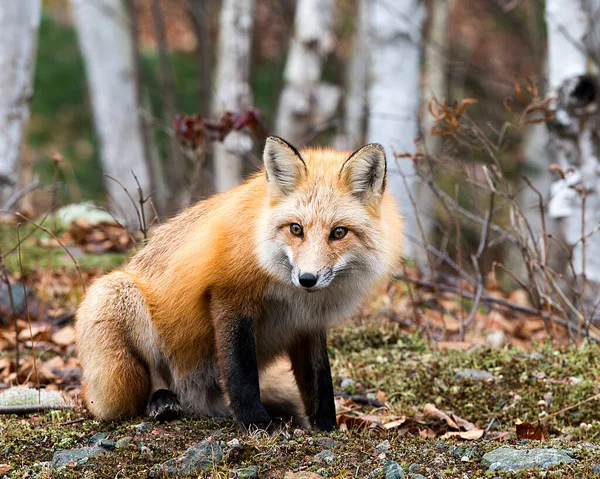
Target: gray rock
<point>250,472</point>
<point>96,438</point>
<point>76,456</point>
<point>123,442</point>
<point>417,476</point>
<point>325,457</point>
<point>392,470</point>
<point>143,427</point>
<point>376,473</point>
<point>476,375</point>
<point>383,446</point>
<point>347,383</point>
<point>328,443</point>
<point>596,469</point>
<point>200,456</point>
<point>107,444</point>
<point>510,459</point>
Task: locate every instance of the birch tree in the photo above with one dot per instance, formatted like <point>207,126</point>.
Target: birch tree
<point>574,139</point>
<point>232,88</point>
<point>306,101</point>
<point>357,82</point>
<point>394,95</point>
<point>19,26</point>
<point>435,68</point>
<point>107,48</point>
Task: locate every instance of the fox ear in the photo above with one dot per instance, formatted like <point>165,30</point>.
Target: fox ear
<point>284,166</point>
<point>365,171</point>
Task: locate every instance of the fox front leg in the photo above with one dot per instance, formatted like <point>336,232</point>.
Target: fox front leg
<point>239,371</point>
<point>313,375</point>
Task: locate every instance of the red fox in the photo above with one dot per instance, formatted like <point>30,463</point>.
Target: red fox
<point>234,283</point>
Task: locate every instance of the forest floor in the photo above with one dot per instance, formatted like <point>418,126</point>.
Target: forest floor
<point>415,398</point>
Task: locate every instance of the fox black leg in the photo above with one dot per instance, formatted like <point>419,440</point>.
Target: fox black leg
<point>163,405</point>
<point>239,371</point>
<point>313,375</point>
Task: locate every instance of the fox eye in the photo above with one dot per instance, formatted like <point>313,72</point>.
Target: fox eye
<point>296,230</point>
<point>338,233</point>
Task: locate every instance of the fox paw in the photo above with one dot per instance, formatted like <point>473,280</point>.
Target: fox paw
<point>164,405</point>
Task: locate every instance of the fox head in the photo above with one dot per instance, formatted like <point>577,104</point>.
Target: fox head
<point>323,218</point>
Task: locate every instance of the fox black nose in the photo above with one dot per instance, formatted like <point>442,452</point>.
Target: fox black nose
<point>307,280</point>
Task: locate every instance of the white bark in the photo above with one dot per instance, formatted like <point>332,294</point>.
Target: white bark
<point>574,138</point>
<point>394,95</point>
<point>232,88</point>
<point>566,25</point>
<point>358,80</point>
<point>107,48</point>
<point>19,26</point>
<point>435,68</point>
<point>306,101</point>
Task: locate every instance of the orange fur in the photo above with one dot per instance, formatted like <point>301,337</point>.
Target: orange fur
<point>204,265</point>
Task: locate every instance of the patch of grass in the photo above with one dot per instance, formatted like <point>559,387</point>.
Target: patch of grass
<point>375,355</point>
<point>36,257</point>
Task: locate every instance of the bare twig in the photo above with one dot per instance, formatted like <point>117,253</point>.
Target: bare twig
<point>61,244</point>
<point>28,409</point>
<point>35,368</point>
<point>17,195</point>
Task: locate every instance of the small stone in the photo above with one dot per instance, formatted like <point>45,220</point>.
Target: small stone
<point>347,383</point>
<point>299,433</point>
<point>250,472</point>
<point>496,339</point>
<point>78,457</point>
<point>234,443</point>
<point>145,450</point>
<point>456,451</point>
<point>417,476</point>
<point>324,457</point>
<point>383,446</point>
<point>200,456</point>
<point>475,375</point>
<point>328,443</point>
<point>413,467</point>
<point>123,442</point>
<point>376,473</point>
<point>392,470</point>
<point>143,427</point>
<point>510,459</point>
<point>107,444</point>
<point>596,469</point>
<point>96,438</point>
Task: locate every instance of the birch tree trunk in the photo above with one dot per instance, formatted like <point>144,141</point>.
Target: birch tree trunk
<point>19,26</point>
<point>306,101</point>
<point>394,95</point>
<point>357,84</point>
<point>232,88</point>
<point>435,68</point>
<point>107,48</point>
<point>575,140</point>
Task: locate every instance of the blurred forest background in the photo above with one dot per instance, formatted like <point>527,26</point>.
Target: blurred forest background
<point>487,110</point>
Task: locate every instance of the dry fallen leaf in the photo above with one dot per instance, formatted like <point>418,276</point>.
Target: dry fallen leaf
<point>5,469</point>
<point>471,435</point>
<point>432,412</point>
<point>366,421</point>
<point>528,430</point>
<point>395,423</point>
<point>64,336</point>
<point>38,333</point>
